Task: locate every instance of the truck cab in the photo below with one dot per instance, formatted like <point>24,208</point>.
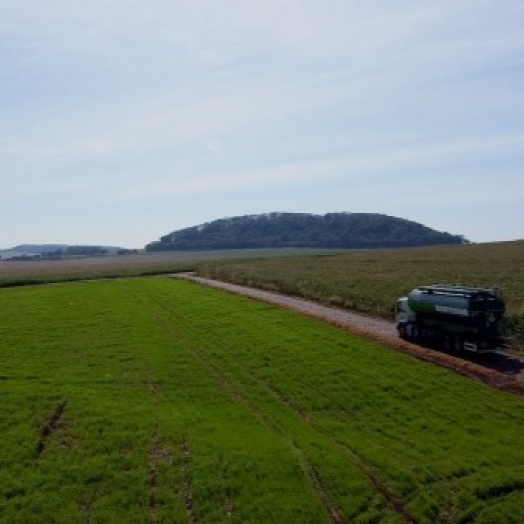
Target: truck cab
<point>405,318</point>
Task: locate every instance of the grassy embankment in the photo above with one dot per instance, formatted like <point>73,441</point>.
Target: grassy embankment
<point>151,400</point>
<point>371,280</point>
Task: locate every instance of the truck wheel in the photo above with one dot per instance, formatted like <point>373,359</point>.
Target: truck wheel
<point>448,343</point>
<point>402,330</point>
<point>412,331</point>
<point>459,343</point>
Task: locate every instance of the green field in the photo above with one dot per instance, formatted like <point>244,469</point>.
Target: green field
<point>153,400</point>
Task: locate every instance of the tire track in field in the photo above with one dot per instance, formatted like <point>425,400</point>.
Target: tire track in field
<point>239,394</point>
<point>188,489</point>
<point>394,501</point>
<point>153,477</point>
<point>154,452</point>
<point>229,505</point>
<point>497,370</point>
<point>158,454</point>
<point>319,487</point>
<point>255,408</point>
<point>50,427</point>
<point>391,498</point>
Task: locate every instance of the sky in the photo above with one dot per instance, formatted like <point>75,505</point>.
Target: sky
<point>121,121</point>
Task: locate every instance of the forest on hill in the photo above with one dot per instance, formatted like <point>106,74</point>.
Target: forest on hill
<point>304,230</point>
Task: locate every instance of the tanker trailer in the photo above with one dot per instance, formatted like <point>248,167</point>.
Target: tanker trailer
<point>458,317</point>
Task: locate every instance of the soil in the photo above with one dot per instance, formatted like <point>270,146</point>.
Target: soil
<point>50,426</point>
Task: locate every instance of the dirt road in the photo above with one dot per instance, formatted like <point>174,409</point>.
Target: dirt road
<point>500,370</point>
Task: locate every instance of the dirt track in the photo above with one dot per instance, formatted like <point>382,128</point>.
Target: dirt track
<point>499,370</point>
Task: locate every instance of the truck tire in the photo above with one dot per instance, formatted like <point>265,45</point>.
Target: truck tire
<point>411,331</point>
<point>449,343</point>
<point>459,343</point>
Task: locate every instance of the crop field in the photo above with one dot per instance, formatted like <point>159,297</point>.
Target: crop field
<point>371,280</point>
<point>16,273</point>
<point>151,400</point>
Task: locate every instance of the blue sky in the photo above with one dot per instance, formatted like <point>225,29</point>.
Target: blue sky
<point>122,121</point>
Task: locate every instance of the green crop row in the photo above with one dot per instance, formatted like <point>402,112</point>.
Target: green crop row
<point>154,400</point>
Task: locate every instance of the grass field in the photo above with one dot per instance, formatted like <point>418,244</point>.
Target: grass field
<point>153,400</point>
<point>371,280</point>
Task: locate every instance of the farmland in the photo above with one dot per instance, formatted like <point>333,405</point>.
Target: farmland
<point>153,400</point>
<point>19,273</point>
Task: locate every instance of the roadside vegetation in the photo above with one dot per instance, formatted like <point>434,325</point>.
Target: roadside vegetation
<point>371,280</point>
<point>152,400</point>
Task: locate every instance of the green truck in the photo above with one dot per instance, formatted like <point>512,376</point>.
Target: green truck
<point>455,316</point>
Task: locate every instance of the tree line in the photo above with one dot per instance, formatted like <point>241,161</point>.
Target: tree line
<point>303,230</point>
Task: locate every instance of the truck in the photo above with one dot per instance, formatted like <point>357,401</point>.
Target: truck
<point>455,316</point>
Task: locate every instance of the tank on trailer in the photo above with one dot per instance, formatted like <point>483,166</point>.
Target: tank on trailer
<point>463,317</point>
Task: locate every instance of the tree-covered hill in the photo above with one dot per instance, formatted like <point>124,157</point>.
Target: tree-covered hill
<point>303,230</point>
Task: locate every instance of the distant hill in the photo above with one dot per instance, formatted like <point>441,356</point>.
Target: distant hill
<point>24,251</point>
<point>36,248</point>
<point>303,230</point>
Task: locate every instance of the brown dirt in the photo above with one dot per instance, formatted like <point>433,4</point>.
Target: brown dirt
<point>188,491</point>
<point>153,477</point>
<point>50,426</point>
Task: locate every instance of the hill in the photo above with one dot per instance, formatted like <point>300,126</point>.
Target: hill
<point>38,251</point>
<point>303,230</point>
